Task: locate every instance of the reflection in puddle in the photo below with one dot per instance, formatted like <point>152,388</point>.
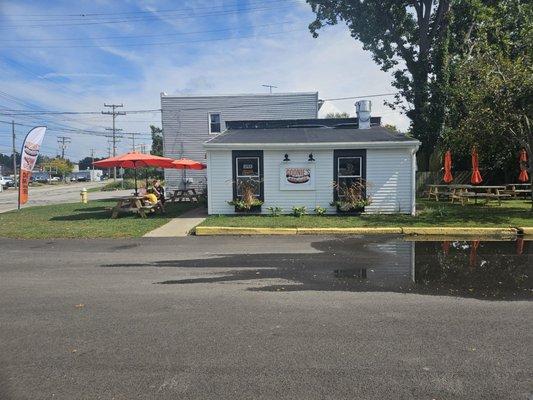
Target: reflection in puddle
<point>485,270</point>
<point>480,269</point>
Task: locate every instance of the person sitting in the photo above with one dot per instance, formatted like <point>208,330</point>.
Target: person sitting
<point>150,197</point>
<point>142,190</point>
<point>159,191</point>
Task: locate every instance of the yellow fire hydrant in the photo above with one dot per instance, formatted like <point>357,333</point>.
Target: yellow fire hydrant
<point>83,195</point>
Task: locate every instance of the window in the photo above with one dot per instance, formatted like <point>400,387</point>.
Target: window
<point>248,172</point>
<point>247,169</point>
<point>214,123</point>
<point>349,167</point>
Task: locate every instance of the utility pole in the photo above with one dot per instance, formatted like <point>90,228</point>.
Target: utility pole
<point>133,140</point>
<point>270,87</point>
<point>114,113</point>
<point>63,142</point>
<point>92,159</point>
<point>14,156</point>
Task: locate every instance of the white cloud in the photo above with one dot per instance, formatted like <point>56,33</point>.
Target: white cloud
<point>334,64</point>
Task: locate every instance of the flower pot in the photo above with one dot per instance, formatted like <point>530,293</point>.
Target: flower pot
<point>252,210</point>
<point>351,211</point>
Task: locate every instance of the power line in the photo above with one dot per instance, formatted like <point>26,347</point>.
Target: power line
<point>25,112</point>
<point>85,14</point>
<point>159,43</point>
<point>108,21</point>
<point>77,39</point>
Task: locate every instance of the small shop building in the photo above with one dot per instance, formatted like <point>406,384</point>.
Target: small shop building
<point>303,163</point>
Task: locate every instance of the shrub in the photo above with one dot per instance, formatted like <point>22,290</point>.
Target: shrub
<point>299,211</point>
<point>352,197</point>
<point>247,200</point>
<point>320,211</point>
<point>275,211</point>
<point>118,185</point>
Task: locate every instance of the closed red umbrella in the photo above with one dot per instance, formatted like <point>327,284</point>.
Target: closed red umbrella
<point>135,160</point>
<point>448,167</point>
<point>523,177</point>
<point>476,178</point>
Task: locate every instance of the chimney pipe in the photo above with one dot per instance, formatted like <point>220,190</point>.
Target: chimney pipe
<point>363,109</point>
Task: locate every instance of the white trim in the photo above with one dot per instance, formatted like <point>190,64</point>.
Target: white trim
<point>413,181</point>
<point>209,113</point>
<point>209,186</point>
<point>199,96</point>
<point>324,146</point>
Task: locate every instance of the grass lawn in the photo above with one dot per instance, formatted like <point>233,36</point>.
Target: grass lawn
<point>512,213</point>
<point>76,220</point>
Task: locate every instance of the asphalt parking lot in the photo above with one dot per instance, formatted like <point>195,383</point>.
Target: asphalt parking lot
<point>251,318</point>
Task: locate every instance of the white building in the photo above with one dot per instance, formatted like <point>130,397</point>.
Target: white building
<point>297,161</point>
<point>188,121</point>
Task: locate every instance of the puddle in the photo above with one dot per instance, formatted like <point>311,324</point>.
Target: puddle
<point>492,270</point>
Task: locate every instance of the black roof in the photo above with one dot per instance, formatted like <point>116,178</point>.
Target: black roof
<point>292,123</point>
<point>309,135</point>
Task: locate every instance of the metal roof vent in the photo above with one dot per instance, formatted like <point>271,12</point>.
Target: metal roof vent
<point>363,109</point>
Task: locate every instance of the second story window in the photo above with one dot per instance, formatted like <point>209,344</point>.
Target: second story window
<point>214,123</point>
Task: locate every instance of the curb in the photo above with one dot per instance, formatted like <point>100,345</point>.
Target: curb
<point>460,231</point>
<point>349,231</point>
<point>224,230</point>
<point>409,231</point>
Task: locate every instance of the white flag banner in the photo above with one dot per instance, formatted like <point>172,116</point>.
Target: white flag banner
<point>28,158</point>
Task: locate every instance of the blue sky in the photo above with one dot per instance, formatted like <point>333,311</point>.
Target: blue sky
<point>74,56</point>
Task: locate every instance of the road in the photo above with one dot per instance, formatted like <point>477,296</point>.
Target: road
<point>54,194</point>
<point>240,317</point>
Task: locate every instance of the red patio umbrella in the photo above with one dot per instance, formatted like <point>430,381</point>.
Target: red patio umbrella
<point>185,164</point>
<point>476,178</point>
<point>448,167</point>
<point>523,177</point>
<point>135,160</point>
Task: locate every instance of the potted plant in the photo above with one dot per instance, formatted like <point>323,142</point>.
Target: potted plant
<point>352,198</point>
<point>248,201</point>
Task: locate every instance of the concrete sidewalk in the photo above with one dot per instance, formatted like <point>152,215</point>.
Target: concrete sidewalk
<point>180,226</point>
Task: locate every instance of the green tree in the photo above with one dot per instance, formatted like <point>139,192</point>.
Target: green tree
<point>491,84</point>
<point>408,38</point>
<point>87,163</point>
<point>60,166</point>
<point>157,140</point>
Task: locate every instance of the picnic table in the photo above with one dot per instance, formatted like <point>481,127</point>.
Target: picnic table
<point>182,194</point>
<point>487,192</point>
<point>444,190</point>
<point>136,204</point>
<point>516,189</point>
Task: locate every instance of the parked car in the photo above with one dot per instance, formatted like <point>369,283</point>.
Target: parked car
<point>55,179</point>
<point>6,181</point>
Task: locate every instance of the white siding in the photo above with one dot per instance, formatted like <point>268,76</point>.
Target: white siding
<point>186,127</point>
<point>389,174</point>
<point>286,199</point>
<point>220,187</point>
